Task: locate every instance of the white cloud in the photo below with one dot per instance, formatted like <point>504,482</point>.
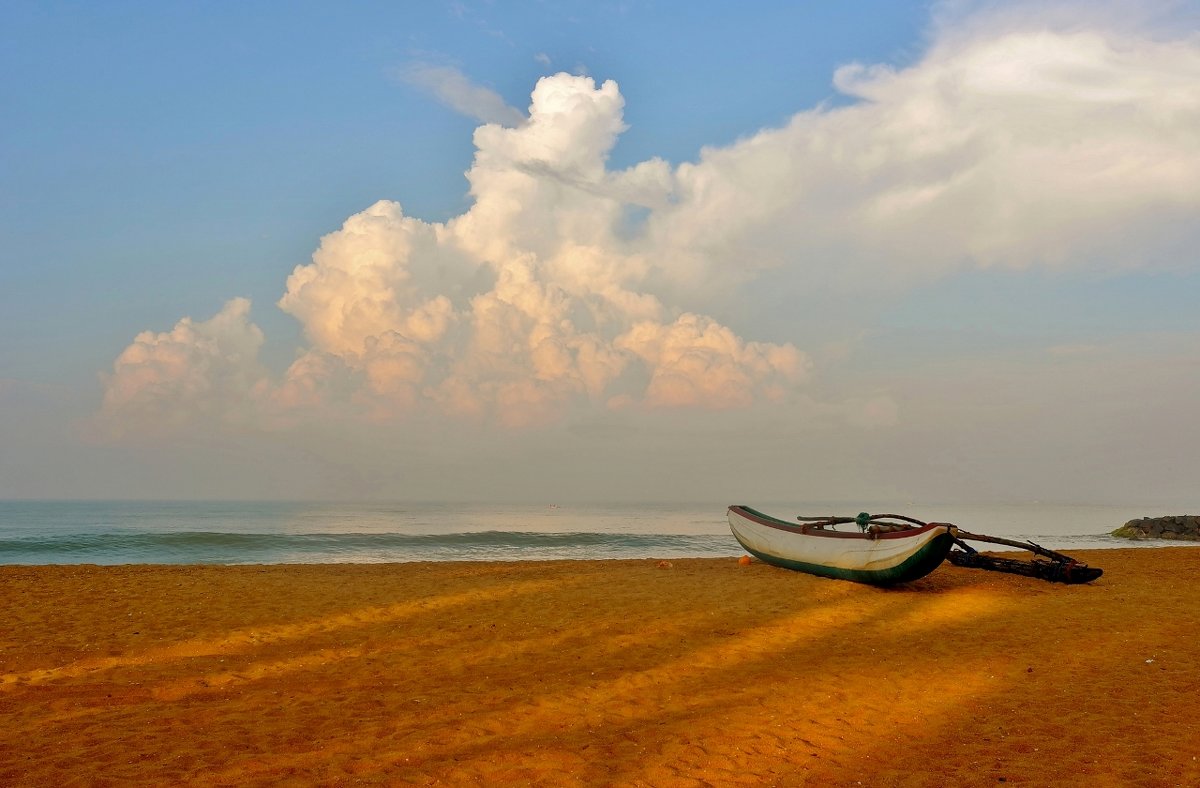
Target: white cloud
<point>452,88</point>
<point>525,306</point>
<point>1016,146</point>
<point>696,361</point>
<point>198,372</point>
<point>1012,148</point>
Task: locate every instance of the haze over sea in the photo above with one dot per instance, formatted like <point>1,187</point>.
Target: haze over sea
<point>157,532</point>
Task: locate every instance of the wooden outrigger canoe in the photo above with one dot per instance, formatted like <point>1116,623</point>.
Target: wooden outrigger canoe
<point>889,549</point>
<point>883,557</point>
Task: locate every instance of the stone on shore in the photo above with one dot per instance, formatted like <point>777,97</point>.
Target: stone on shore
<point>1179,526</point>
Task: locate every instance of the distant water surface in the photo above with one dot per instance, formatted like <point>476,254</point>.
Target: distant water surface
<point>153,532</point>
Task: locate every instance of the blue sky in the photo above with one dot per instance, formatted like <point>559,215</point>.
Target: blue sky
<point>857,201</point>
<point>199,150</point>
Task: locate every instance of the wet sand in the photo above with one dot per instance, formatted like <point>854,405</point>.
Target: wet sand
<point>598,672</point>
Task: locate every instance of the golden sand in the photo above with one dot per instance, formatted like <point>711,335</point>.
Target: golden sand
<point>705,672</point>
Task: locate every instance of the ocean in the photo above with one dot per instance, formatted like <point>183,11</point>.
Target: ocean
<point>205,532</point>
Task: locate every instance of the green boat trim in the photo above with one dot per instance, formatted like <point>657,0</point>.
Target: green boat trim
<point>916,566</point>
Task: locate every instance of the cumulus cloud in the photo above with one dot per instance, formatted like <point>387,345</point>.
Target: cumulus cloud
<point>696,361</point>
<point>529,304</point>
<point>569,285</point>
<point>206,372</point>
<point>1000,147</point>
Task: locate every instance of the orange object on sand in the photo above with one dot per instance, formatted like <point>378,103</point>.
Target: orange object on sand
<point>744,560</point>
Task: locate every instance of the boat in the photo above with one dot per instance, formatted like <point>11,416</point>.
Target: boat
<point>879,554</point>
<point>888,548</point>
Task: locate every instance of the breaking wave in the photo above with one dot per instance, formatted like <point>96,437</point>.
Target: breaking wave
<point>196,547</point>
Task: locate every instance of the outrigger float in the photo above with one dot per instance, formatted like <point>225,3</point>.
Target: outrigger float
<point>888,548</point>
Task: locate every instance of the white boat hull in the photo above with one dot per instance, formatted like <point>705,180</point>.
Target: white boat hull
<point>881,559</point>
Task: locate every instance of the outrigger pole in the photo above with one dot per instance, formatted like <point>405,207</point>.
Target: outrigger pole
<point>1059,569</point>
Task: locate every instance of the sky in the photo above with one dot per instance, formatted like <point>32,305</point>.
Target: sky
<point>607,251</point>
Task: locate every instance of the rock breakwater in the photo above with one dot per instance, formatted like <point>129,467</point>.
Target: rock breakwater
<point>1179,526</point>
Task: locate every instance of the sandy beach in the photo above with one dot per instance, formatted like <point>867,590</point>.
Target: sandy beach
<point>703,672</point>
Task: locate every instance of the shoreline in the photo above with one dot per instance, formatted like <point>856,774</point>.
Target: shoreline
<point>598,671</point>
<point>1145,544</point>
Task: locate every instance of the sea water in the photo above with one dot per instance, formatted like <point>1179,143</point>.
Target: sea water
<point>156,532</point>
